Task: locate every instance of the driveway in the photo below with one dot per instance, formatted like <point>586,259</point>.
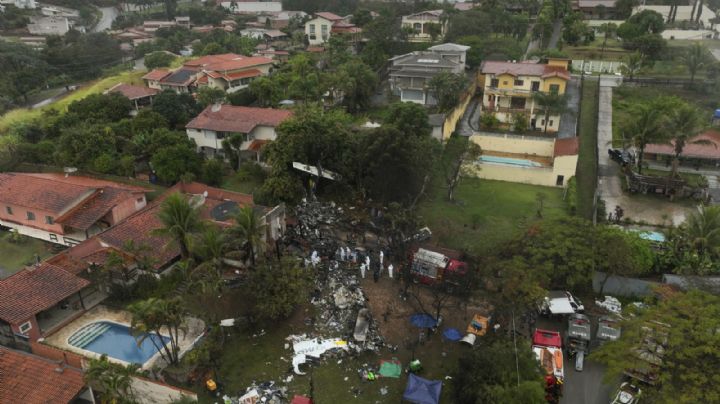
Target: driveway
<point>568,120</point>
<point>109,14</point>
<point>653,210</point>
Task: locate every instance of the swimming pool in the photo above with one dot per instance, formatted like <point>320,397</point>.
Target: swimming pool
<point>116,341</point>
<point>509,161</point>
<point>654,236</point>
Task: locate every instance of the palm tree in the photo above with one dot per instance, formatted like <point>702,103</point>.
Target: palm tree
<point>648,125</point>
<point>551,103</point>
<point>154,315</point>
<point>702,230</point>
<point>608,29</point>
<point>632,64</point>
<point>180,220</point>
<point>111,379</point>
<point>696,58</point>
<point>249,231</point>
<point>686,122</point>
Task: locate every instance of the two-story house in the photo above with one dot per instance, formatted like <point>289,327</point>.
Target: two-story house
<point>64,210</point>
<point>229,72</point>
<point>509,88</point>
<point>218,122</point>
<point>425,26</point>
<point>411,73</point>
<point>319,29</point>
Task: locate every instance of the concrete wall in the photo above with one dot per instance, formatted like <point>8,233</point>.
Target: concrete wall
<point>456,114</point>
<point>516,144</point>
<point>687,34</point>
<point>56,354</point>
<point>126,208</point>
<point>205,138</point>
<point>318,23</point>
<point>264,133</point>
<point>565,166</point>
<point>524,175</point>
<point>151,392</point>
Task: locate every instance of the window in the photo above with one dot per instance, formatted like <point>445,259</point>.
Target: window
<point>140,200</point>
<point>559,182</point>
<point>551,122</point>
<point>30,216</point>
<point>53,237</point>
<point>535,86</point>
<point>9,210</point>
<point>494,82</point>
<point>220,135</point>
<point>49,220</point>
<point>505,83</point>
<point>554,88</point>
<point>312,29</point>
<point>417,27</point>
<point>25,327</point>
<point>519,83</point>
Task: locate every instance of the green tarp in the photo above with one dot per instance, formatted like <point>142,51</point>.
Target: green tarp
<point>391,368</point>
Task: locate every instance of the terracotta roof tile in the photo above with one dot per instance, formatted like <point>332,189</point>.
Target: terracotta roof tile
<point>94,208</point>
<point>86,181</point>
<point>227,62</point>
<point>157,74</point>
<point>30,379</point>
<point>230,118</point>
<point>328,16</point>
<point>523,69</point>
<point>566,147</point>
<point>33,290</point>
<point>40,193</point>
<point>133,92</point>
<point>692,149</point>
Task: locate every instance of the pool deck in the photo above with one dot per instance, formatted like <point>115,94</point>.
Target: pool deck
<point>59,339</point>
<point>545,161</point>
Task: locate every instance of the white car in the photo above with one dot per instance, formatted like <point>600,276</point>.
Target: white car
<point>627,394</point>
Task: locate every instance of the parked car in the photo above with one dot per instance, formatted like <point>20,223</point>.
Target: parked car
<point>628,393</point>
<point>560,302</point>
<point>620,156</point>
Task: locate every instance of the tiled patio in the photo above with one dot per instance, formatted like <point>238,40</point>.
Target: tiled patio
<point>59,339</point>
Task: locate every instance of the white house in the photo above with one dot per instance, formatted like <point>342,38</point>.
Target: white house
<point>318,29</point>
<point>219,122</point>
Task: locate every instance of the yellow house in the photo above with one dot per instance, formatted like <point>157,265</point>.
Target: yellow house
<point>508,89</point>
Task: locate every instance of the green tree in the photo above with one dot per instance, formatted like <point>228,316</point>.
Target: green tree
<point>434,30</point>
<point>304,78</point>
<point>178,109</point>
<point>686,122</point>
<point>551,103</point>
<point>458,152</point>
<point>702,231</point>
<point>159,317</point>
<point>100,107</point>
<point>696,58</point>
<point>249,231</point>
<point>491,48</point>
<point>148,120</point>
<point>609,30</point>
<point>624,8</point>
<point>685,371</point>
<point>622,253</point>
<point>358,85</point>
<point>170,163</point>
<point>278,287</point>
<point>210,95</point>
<point>180,220</point>
<point>267,90</point>
<point>447,89</point>
<point>650,124</point>
<point>155,60</point>
<point>632,64</point>
<point>409,118</point>
<point>508,375</point>
<point>111,380</point>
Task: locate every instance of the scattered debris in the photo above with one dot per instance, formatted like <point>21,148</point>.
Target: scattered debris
<point>610,304</point>
<point>265,392</point>
<point>313,349</point>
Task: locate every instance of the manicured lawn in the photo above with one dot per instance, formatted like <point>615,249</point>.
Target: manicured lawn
<point>486,212</point>
<point>94,87</point>
<point>14,256</point>
<point>587,160</point>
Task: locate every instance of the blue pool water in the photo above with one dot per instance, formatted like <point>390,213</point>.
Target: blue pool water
<point>509,161</point>
<point>116,341</point>
<point>655,236</point>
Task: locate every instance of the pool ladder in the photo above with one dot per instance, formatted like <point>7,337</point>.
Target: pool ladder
<point>88,334</point>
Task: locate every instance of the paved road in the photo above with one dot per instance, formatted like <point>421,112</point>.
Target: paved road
<point>557,31</point>
<point>109,14</point>
<point>716,53</point>
<point>568,120</point>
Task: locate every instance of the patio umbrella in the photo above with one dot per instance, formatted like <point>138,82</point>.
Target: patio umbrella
<point>452,334</point>
<point>422,320</point>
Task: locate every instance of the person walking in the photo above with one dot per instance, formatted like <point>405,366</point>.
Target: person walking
<point>390,270</point>
<point>362,270</point>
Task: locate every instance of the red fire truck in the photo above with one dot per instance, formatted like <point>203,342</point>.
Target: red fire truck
<point>547,346</point>
<point>430,267</point>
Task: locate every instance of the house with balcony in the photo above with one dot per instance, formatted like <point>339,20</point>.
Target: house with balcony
<point>256,127</point>
<point>508,89</point>
<point>410,73</point>
<point>319,29</point>
<point>229,72</point>
<point>64,210</point>
<point>425,26</point>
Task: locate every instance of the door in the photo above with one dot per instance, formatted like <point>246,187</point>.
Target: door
<point>560,181</point>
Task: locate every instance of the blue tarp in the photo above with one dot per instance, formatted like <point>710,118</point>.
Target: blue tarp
<point>717,113</point>
<point>452,334</point>
<point>423,320</point>
<point>422,391</point>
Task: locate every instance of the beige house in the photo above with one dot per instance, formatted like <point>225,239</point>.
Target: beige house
<point>525,159</point>
<point>420,25</point>
<point>218,122</point>
<point>509,88</point>
<point>319,29</point>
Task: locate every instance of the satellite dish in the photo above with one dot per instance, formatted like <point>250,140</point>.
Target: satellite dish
<point>216,107</point>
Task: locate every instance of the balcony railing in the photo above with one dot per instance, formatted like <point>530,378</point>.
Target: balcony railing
<point>509,91</point>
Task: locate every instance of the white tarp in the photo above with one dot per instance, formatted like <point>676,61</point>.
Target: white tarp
<point>560,306</point>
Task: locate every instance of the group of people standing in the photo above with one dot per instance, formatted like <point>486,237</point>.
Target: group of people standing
<point>369,261</point>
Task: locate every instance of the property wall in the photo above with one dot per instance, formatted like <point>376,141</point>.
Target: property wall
<point>56,354</point>
<point>127,207</point>
<point>687,34</point>
<point>264,133</point>
<point>452,118</point>
<point>525,175</point>
<point>515,144</point>
<point>565,166</point>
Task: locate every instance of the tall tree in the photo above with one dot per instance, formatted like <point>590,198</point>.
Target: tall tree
<point>180,220</point>
<point>702,231</point>
<point>154,317</point>
<point>622,253</point>
<point>410,118</point>
<point>551,103</point>
<point>632,64</point>
<point>111,380</point>
<point>685,122</point>
<point>249,230</point>
<point>458,152</point>
<point>358,85</point>
<point>696,58</point>
<point>649,124</point>
<point>447,89</point>
<point>278,287</point>
<point>681,334</point>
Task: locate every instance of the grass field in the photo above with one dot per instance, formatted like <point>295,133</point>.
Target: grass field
<point>587,160</point>
<point>14,256</point>
<point>486,212</point>
<point>94,87</point>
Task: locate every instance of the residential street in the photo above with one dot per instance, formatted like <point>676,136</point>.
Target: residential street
<point>109,14</point>
<point>568,121</point>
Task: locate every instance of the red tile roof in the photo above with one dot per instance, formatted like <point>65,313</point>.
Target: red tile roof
<point>40,193</point>
<point>93,209</point>
<point>33,290</point>
<point>133,92</point>
<point>329,16</point>
<point>30,379</point>
<point>257,144</point>
<point>691,149</point>
<point>157,74</point>
<point>315,49</point>
<point>523,69</point>
<point>228,118</point>
<point>566,147</point>
<point>243,74</point>
<point>227,62</point>
<point>86,181</point>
